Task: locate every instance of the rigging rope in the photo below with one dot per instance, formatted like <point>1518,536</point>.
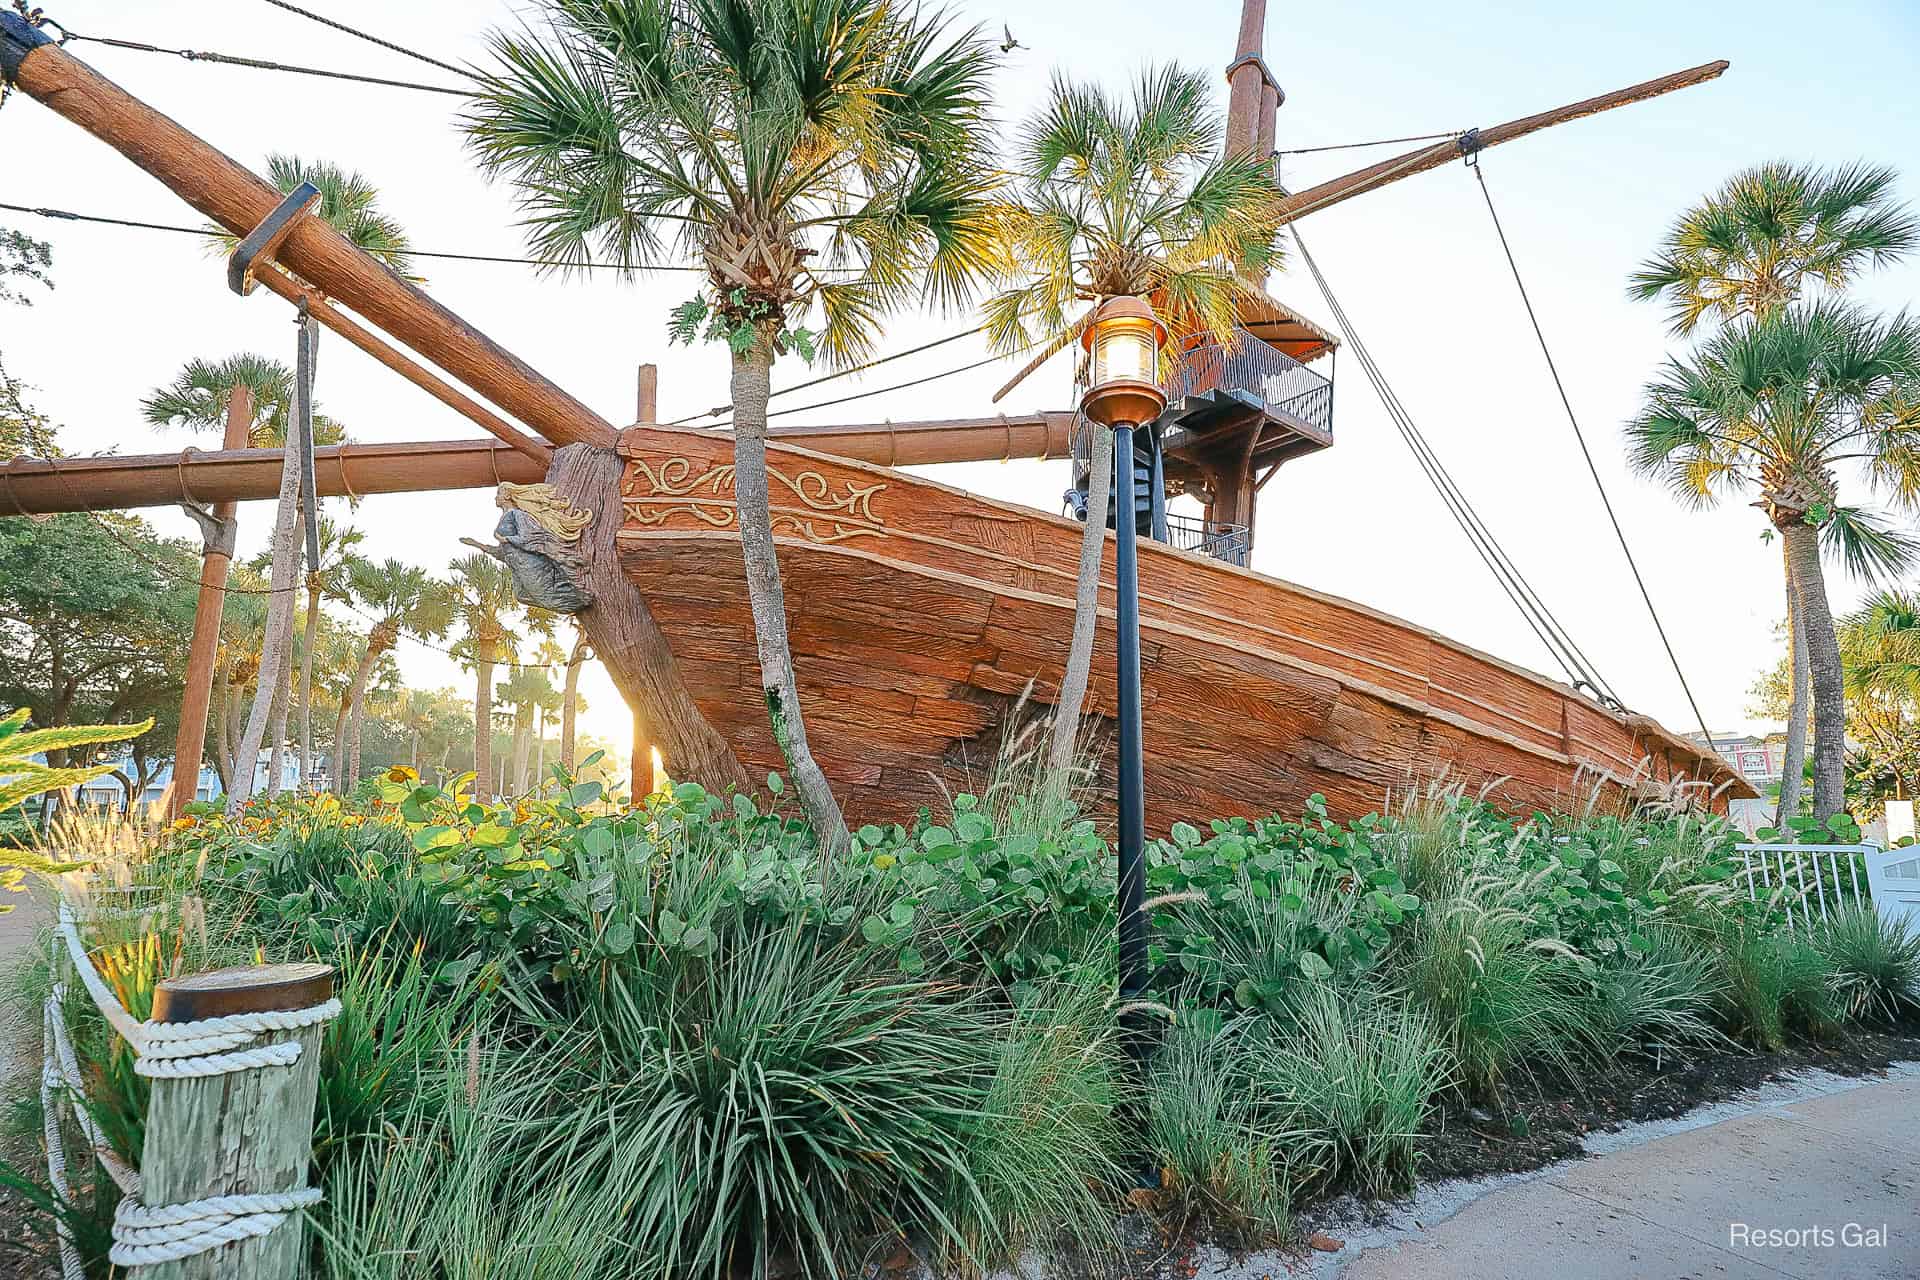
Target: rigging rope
<point>1377,142</point>
<point>1573,420</point>
<point>371,39</point>
<point>841,373</point>
<point>1579,669</point>
<point>262,64</point>
<point>204,233</point>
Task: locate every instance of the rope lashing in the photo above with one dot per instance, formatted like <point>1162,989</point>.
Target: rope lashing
<point>143,1237</point>
<point>207,1047</point>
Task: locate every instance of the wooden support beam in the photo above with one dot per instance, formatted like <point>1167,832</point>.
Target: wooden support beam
<point>237,200</point>
<point>446,393</point>
<point>41,486</point>
<point>215,561</point>
<point>1375,176</point>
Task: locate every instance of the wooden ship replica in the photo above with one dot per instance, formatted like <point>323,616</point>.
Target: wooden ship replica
<point>922,616</point>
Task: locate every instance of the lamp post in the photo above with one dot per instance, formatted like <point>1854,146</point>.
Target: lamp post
<point>1123,392</point>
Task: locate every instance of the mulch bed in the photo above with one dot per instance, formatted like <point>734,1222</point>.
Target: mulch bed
<point>1542,1120</point>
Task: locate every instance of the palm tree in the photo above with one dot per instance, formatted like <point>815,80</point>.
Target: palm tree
<point>1752,247</point>
<point>1880,645</point>
<point>1774,408</point>
<point>1119,198</point>
<point>403,599</point>
<point>551,655</point>
<point>524,691</point>
<point>329,577</point>
<point>770,142</point>
<point>484,606</point>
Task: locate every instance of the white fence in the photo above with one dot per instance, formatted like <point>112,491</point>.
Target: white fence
<point>1811,879</point>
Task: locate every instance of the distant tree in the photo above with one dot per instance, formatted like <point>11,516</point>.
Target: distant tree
<point>22,258</point>
<point>93,622</point>
<point>404,600</point>
<point>485,608</point>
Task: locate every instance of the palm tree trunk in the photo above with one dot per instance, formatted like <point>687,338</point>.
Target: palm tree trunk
<point>1793,768</point>
<point>539,744</point>
<point>356,709</point>
<point>340,744</point>
<point>483,725</point>
<point>1086,603</point>
<point>519,773</point>
<point>273,656</point>
<point>1823,665</point>
<point>306,677</point>
<point>750,391</point>
<point>220,717</point>
<point>413,756</point>
<point>570,702</point>
<point>282,697</point>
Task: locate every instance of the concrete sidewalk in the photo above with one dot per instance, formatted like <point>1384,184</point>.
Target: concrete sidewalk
<point>1818,1178</point>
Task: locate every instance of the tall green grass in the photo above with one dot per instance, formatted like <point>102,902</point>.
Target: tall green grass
<point>1874,963</point>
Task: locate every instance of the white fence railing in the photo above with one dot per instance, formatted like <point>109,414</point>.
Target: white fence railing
<point>1808,878</point>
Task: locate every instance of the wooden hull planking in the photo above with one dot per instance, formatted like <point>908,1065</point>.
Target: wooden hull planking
<point>921,616</point>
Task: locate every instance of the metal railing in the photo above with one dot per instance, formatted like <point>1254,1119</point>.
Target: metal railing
<point>1286,385</point>
<point>1228,542</point>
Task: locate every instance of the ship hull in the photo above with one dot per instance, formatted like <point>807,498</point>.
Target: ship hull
<point>928,625</point>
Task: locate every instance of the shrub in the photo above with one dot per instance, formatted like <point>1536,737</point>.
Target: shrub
<point>772,1097</point>
<point>1501,995</point>
<point>1658,1000</point>
<point>1042,1159</point>
<point>1776,983</point>
<point>1354,1073</point>
<point>1875,963</point>
<point>1223,1157</point>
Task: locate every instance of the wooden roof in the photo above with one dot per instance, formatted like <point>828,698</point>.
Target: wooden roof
<point>1277,324</point>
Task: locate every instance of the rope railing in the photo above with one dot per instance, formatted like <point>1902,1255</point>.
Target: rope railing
<point>143,1234</point>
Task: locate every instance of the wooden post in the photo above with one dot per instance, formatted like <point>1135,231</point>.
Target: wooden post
<point>244,1132</point>
<point>1245,79</point>
<point>214,564</point>
<point>640,772</point>
<point>649,399</point>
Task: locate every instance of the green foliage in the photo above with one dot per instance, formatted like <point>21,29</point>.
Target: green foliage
<point>21,776</point>
<point>1131,197</point>
<point>1776,984</point>
<point>1221,1154</point>
<point>1874,962</point>
<point>1352,1076</point>
<point>805,152</point>
<point>22,258</point>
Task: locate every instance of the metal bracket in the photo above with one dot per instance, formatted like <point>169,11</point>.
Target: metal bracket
<point>216,532</point>
<point>263,241</point>
<point>1266,74</point>
<point>19,36</point>
<point>1469,144</point>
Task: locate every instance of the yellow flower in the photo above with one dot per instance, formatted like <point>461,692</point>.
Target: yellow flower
<point>182,824</point>
<point>883,861</point>
<point>401,773</point>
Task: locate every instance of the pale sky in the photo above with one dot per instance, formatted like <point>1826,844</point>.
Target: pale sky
<point>1415,265</point>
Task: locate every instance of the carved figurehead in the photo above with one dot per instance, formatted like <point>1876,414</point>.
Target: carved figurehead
<point>539,534</point>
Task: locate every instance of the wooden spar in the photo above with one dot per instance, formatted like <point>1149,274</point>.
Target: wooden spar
<point>215,561</point>
<point>327,314</point>
<point>41,486</point>
<point>237,200</point>
<point>1361,181</point>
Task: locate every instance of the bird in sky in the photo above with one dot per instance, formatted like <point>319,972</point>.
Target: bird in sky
<point>1009,44</point>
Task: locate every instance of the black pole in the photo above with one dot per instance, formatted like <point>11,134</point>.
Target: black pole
<point>1133,816</point>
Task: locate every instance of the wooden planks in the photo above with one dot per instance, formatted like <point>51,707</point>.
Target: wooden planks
<point>920,616</point>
